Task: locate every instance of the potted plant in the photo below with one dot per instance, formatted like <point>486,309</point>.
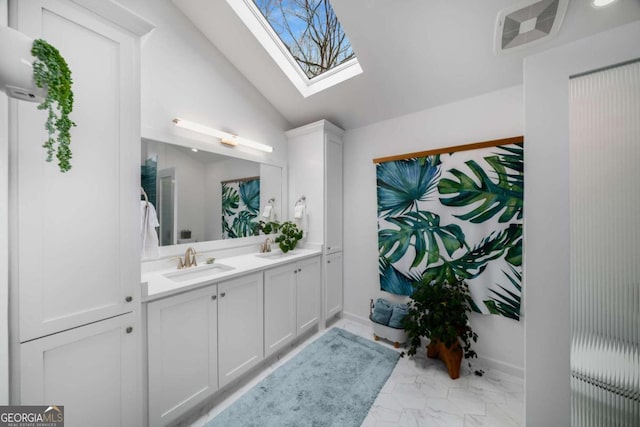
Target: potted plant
<point>51,71</point>
<point>438,311</point>
<point>289,236</point>
<point>268,227</point>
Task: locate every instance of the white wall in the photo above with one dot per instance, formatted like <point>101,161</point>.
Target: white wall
<point>4,236</point>
<point>190,190</point>
<point>184,75</point>
<point>491,116</point>
<point>546,244</point>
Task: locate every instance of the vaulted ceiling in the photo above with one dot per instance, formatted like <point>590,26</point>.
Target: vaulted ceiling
<point>416,54</point>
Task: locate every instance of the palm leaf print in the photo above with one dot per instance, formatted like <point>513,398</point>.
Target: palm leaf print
<point>250,195</point>
<point>393,280</point>
<point>402,184</point>
<point>472,263</point>
<point>243,224</point>
<point>230,200</point>
<point>419,229</point>
<point>504,196</point>
<point>506,302</point>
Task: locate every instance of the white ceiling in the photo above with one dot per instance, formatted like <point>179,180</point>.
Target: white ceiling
<point>416,54</point>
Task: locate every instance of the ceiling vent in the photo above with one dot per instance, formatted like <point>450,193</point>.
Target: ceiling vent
<point>528,23</point>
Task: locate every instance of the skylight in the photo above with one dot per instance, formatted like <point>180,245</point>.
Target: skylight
<point>311,32</point>
<point>305,39</point>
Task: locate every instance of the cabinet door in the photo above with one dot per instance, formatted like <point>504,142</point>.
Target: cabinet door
<point>333,194</point>
<point>279,307</point>
<point>77,260</point>
<point>240,326</point>
<point>182,353</point>
<point>90,370</point>
<point>333,283</point>
<point>308,294</point>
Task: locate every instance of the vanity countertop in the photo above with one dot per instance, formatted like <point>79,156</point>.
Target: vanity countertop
<point>156,285</point>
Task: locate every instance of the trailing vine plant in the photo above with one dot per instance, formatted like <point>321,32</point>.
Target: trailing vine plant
<point>51,71</point>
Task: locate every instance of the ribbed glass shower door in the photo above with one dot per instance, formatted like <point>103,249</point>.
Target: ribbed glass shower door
<point>605,246</point>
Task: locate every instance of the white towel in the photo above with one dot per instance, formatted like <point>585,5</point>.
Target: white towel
<point>267,212</point>
<point>148,236</point>
<point>301,219</point>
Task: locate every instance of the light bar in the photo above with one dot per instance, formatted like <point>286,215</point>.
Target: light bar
<point>225,137</point>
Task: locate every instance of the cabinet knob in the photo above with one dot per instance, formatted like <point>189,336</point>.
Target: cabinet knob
<point>128,298</point>
<point>328,261</point>
<point>295,271</point>
<point>129,329</point>
<point>223,294</point>
<point>328,248</point>
<point>299,270</point>
<point>214,297</point>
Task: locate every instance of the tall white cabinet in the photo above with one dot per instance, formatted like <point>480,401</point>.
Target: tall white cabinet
<point>75,270</point>
<point>316,172</point>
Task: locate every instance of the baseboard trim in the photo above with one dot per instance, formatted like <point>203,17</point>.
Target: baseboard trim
<point>498,365</point>
<point>482,361</point>
<point>356,318</point>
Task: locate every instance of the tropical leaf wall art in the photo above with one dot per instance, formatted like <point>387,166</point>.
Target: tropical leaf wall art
<point>456,214</point>
<point>240,207</point>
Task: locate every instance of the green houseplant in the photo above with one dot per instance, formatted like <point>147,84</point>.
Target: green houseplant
<point>51,71</point>
<point>289,236</point>
<point>438,310</point>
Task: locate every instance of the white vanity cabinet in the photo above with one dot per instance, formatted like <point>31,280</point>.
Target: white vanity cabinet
<point>75,266</point>
<point>291,302</point>
<point>333,193</point>
<point>316,172</point>
<point>182,347</point>
<point>92,370</point>
<point>77,260</point>
<point>334,289</point>
<point>240,326</point>
<point>308,285</point>
<point>279,307</point>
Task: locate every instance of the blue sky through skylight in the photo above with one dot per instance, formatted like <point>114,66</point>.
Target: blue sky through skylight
<point>311,32</point>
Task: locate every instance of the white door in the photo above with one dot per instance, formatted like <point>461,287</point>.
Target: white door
<point>308,294</point>
<point>77,260</point>
<point>90,370</point>
<point>333,283</point>
<point>279,307</point>
<point>182,353</point>
<point>240,326</point>
<point>333,194</point>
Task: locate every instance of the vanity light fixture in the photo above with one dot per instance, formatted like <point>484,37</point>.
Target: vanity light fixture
<point>601,3</point>
<point>225,137</point>
<point>195,150</point>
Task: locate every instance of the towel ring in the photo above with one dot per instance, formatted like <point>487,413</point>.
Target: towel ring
<point>144,194</point>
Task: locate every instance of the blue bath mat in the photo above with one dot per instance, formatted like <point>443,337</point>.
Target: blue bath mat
<point>332,382</point>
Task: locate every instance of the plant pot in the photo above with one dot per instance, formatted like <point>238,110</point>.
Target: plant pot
<point>451,356</point>
<point>16,66</point>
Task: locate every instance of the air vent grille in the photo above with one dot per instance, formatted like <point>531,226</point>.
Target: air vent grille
<point>527,23</point>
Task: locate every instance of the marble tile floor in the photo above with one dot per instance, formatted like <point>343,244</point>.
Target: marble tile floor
<point>420,393</point>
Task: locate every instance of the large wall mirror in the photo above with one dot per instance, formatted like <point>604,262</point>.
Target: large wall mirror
<point>202,196</point>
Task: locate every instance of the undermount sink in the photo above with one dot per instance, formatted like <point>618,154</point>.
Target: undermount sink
<point>276,254</point>
<point>197,272</point>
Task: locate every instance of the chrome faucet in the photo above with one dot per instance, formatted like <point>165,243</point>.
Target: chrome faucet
<point>266,246</point>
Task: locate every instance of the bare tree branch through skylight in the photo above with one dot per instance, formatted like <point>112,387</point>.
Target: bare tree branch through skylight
<point>311,31</point>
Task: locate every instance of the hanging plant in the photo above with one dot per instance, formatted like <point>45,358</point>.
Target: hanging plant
<point>51,71</point>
